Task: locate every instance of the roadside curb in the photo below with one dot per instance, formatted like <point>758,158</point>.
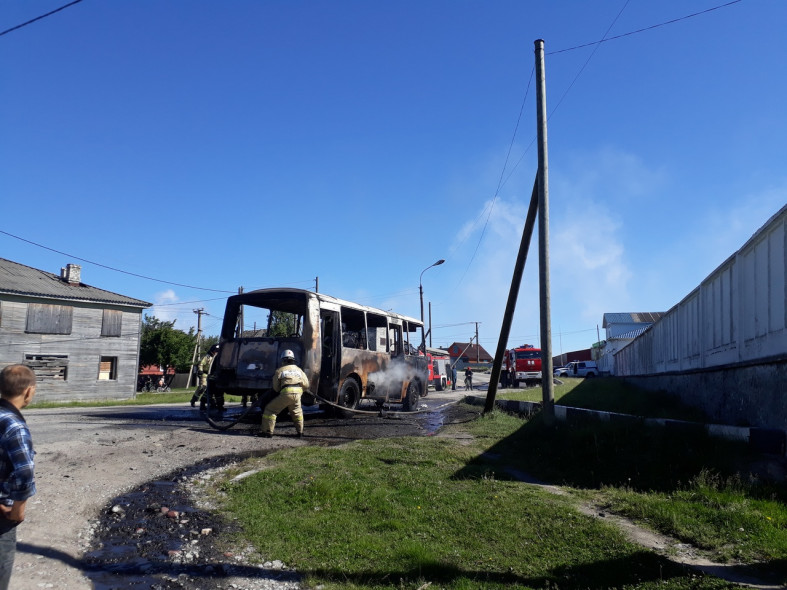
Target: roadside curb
<point>771,441</point>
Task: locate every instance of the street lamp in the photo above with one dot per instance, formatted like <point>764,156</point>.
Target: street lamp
<point>421,293</point>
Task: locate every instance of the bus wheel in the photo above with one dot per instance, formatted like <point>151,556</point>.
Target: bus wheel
<point>413,397</point>
<point>349,396</point>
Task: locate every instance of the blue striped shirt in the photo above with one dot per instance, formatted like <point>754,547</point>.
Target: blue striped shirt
<point>17,481</point>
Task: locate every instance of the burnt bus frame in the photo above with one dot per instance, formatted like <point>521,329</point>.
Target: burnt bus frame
<point>320,351</point>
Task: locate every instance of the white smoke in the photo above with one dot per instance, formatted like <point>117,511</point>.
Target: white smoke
<point>391,378</point>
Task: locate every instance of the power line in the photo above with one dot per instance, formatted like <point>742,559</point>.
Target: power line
<point>115,269</point>
<point>587,61</point>
<point>651,27</point>
<point>50,13</point>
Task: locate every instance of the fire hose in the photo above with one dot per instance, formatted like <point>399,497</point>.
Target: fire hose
<point>380,412</point>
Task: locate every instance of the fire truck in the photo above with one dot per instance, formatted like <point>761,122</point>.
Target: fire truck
<point>526,363</point>
<point>439,370</point>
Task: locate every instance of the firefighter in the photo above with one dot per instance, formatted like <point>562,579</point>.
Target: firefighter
<point>289,382</point>
<point>204,371</point>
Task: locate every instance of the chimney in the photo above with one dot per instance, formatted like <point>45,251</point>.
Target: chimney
<point>72,274</point>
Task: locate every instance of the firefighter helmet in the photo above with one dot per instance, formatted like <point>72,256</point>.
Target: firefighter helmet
<point>288,355</point>
<point>213,349</point>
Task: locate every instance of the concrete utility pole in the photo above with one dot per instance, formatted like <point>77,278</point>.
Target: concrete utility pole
<point>316,284</point>
<point>547,385</point>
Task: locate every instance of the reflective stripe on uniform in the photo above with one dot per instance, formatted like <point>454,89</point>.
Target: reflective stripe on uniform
<point>292,389</point>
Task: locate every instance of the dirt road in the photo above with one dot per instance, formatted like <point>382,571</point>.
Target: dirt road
<point>86,458</point>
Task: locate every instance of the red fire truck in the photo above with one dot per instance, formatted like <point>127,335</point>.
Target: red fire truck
<point>439,370</point>
<point>526,362</point>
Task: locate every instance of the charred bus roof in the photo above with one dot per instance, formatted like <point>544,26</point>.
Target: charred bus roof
<point>295,301</point>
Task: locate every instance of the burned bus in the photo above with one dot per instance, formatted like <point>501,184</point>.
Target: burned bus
<point>349,352</point>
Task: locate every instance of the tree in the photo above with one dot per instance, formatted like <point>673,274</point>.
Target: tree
<point>282,324</point>
<point>164,346</point>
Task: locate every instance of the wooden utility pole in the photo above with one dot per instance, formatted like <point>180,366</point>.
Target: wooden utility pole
<point>196,354</point>
<point>513,293</point>
<point>547,385</point>
<point>239,325</point>
<point>477,345</point>
<point>430,324</point>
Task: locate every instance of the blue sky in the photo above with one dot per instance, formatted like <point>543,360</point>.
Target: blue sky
<point>266,143</point>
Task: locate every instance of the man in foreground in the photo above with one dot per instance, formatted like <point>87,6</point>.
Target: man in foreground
<point>17,481</point>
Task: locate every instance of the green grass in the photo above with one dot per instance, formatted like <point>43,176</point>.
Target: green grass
<point>610,395</point>
<point>731,520</point>
<point>401,513</point>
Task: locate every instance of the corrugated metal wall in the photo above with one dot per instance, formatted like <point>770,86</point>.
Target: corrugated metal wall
<point>737,315</point>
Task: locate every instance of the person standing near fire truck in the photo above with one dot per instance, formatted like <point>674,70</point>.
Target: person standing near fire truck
<point>289,381</point>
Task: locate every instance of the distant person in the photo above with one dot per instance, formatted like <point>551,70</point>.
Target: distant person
<point>289,381</point>
<point>468,378</point>
<point>204,370</point>
<point>17,470</point>
<point>453,377</point>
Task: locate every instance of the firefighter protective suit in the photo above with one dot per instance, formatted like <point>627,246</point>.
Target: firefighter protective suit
<point>204,370</point>
<point>289,381</point>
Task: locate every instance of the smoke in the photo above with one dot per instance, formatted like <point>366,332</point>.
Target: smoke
<point>392,377</point>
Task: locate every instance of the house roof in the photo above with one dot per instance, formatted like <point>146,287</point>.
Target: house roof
<point>471,351</point>
<point>646,317</point>
<point>18,279</point>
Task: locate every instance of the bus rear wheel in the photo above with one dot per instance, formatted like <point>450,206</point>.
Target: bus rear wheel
<point>413,397</point>
<point>349,396</point>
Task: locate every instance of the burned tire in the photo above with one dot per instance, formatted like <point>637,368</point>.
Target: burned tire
<point>349,396</point>
<point>413,396</point>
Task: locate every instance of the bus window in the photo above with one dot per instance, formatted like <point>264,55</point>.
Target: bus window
<point>376,332</point>
<point>261,322</point>
<point>353,328</point>
<point>395,340</point>
<point>413,337</point>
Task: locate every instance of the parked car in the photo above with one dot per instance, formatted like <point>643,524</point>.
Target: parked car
<point>581,369</point>
<point>560,372</point>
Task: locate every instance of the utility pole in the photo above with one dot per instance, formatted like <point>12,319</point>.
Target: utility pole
<point>430,324</point>
<point>239,325</point>
<point>316,284</point>
<point>477,345</point>
<point>547,384</point>
<point>196,354</point>
<point>513,294</point>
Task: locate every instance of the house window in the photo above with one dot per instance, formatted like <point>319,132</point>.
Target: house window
<point>108,368</point>
<point>111,324</point>
<point>48,367</point>
<point>43,318</point>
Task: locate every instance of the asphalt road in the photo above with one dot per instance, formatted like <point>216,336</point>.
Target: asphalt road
<point>86,457</point>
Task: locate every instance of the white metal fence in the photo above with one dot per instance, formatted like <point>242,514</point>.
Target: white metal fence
<point>737,315</point>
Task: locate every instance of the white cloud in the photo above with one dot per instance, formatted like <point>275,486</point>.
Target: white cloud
<point>167,312</point>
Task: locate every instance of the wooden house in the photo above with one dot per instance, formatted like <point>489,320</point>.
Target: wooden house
<point>81,341</point>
